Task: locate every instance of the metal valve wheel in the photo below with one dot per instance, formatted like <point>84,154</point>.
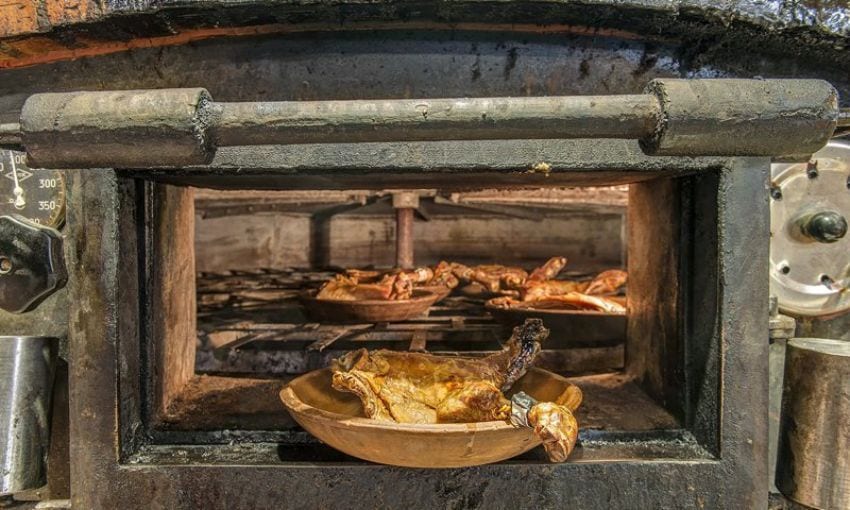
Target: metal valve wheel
<point>32,263</point>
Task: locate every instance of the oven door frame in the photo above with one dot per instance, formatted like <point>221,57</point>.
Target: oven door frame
<point>118,462</point>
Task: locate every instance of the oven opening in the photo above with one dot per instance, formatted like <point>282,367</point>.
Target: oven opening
<point>229,327</point>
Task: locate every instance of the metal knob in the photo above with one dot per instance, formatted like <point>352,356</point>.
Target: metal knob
<point>32,264</point>
<point>825,226</point>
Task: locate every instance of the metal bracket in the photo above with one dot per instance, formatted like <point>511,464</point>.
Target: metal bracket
<point>521,404</point>
<point>781,327</point>
<point>183,127</point>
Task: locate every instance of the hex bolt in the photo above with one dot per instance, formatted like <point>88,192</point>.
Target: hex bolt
<point>5,265</point>
<point>775,193</point>
<point>812,169</point>
<point>826,280</point>
<point>784,269</point>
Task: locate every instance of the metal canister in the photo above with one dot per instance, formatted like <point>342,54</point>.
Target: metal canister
<point>27,367</point>
<point>813,466</point>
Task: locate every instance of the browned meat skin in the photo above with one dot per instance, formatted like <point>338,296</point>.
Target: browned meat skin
<point>418,275</point>
<point>569,301</point>
<point>474,401</point>
<point>607,282</point>
<point>443,276</point>
<point>403,382</point>
<point>346,288</point>
<point>507,280</point>
<point>422,388</point>
<point>495,278</point>
<point>364,275</point>
<point>550,293</point>
<point>582,301</point>
<point>536,290</point>
<point>556,427</point>
<point>548,270</point>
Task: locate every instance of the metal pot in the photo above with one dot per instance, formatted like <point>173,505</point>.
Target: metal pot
<point>813,465</point>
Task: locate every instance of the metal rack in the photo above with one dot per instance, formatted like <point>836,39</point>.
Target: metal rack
<point>250,323</point>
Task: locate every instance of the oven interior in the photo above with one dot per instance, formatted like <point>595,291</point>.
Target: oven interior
<point>224,269</point>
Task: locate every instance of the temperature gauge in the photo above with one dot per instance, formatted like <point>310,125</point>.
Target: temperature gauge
<point>37,195</point>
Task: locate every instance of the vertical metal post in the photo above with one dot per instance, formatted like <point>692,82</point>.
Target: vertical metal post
<point>404,238</point>
<point>27,365</point>
<point>404,204</point>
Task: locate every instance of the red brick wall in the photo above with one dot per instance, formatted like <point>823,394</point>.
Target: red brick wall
<point>21,17</point>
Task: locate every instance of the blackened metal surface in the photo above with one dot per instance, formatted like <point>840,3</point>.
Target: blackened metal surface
<point>50,318</point>
<point>833,327</point>
<point>32,263</point>
<point>58,460</point>
<point>427,64</point>
<point>699,256</point>
<point>742,249</point>
<point>447,165</point>
<point>826,17</point>
<point>780,26</point>
<point>366,65</point>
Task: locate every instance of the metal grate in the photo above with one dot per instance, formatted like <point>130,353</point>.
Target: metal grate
<point>250,323</point>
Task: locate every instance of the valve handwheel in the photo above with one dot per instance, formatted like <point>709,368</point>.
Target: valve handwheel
<point>32,263</point>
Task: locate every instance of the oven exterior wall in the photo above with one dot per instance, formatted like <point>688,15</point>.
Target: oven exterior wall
<point>711,29</point>
<point>106,374</point>
<point>105,321</point>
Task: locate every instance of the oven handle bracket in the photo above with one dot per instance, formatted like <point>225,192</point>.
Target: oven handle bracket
<point>169,128</point>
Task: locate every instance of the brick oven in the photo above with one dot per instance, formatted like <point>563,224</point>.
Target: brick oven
<point>216,159</point>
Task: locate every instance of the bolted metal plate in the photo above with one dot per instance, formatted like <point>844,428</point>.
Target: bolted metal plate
<point>809,251</point>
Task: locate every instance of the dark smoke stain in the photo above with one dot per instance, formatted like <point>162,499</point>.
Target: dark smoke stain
<point>647,61</point>
<point>510,63</point>
<point>584,69</point>
<point>476,68</point>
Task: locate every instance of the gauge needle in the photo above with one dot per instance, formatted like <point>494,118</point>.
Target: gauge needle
<point>20,201</point>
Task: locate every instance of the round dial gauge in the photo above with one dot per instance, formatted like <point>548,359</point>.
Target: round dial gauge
<point>37,195</point>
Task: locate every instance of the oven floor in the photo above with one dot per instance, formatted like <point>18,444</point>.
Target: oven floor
<point>612,404</point>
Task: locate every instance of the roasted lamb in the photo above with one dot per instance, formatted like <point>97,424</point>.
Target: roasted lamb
<point>409,387</point>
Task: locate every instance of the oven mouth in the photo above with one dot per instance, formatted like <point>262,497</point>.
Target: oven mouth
<point>223,343</point>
